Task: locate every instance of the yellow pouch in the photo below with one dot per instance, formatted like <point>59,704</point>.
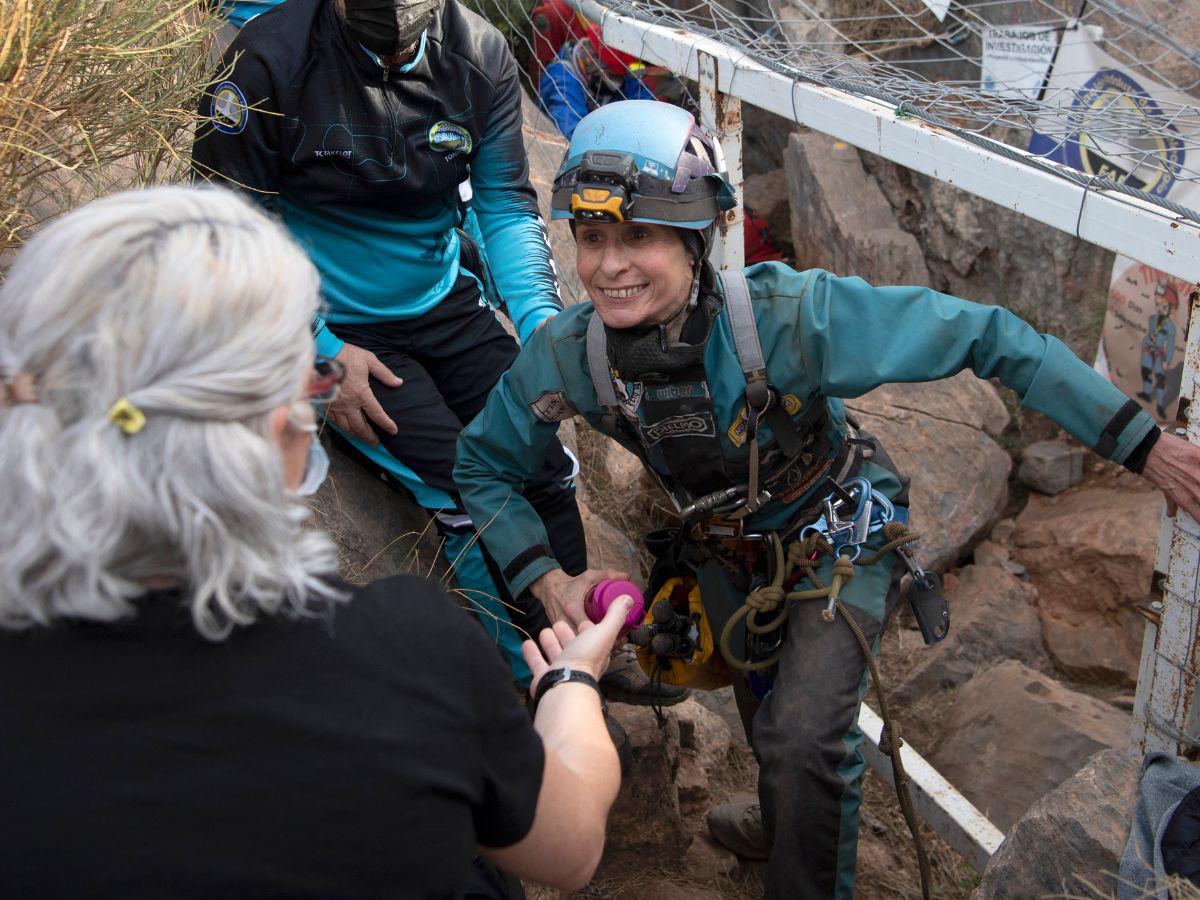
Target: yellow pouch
<point>706,670</point>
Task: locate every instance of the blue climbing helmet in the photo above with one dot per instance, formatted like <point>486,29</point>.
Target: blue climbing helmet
<point>643,161</point>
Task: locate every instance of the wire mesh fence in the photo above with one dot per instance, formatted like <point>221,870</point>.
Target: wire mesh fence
<point>1111,88</point>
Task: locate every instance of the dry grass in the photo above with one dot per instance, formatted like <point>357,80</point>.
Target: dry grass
<point>93,94</point>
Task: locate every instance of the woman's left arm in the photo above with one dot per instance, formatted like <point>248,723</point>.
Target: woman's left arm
<point>855,337</point>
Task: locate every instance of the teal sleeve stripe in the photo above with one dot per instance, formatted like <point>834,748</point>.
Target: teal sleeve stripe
<point>532,573</point>
<point>507,210</point>
<point>1133,433</point>
<point>329,344</point>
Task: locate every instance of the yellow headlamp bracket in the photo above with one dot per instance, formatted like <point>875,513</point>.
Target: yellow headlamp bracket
<point>599,204</point>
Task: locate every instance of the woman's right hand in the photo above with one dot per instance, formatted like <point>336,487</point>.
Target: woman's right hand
<point>561,595</point>
<point>586,650</point>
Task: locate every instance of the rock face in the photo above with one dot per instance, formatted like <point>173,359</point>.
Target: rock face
<point>940,436</point>
<point>767,194</point>
<point>607,546</point>
<point>992,619</point>
<point>380,532</point>
<point>1070,841</point>
<point>706,741</point>
<point>709,861</point>
<point>645,822</point>
<point>1051,467</point>
<point>841,221</point>
<point>1013,734</point>
<point>703,733</point>
<point>1091,553</point>
<point>980,251</point>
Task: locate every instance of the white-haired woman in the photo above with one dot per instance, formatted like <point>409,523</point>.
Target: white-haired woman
<point>192,703</point>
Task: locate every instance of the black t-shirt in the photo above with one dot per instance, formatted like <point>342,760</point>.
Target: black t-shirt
<point>360,755</point>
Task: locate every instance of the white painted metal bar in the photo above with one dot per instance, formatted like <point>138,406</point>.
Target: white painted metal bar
<point>721,115</point>
<point>1165,709</point>
<point>1121,223</point>
<point>947,811</point>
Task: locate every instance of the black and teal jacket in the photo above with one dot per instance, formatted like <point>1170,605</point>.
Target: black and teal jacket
<point>364,162</point>
<point>824,339</point>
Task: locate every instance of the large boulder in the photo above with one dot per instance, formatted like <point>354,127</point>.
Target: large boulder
<point>1013,734</point>
<point>646,822</point>
<point>379,531</point>
<point>703,734</point>
<point>841,221</point>
<point>1069,843</point>
<point>976,249</point>
<point>992,618</point>
<point>940,436</point>
<point>1090,551</point>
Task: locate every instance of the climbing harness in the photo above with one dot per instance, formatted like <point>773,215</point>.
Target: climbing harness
<point>684,432</point>
<point>674,643</point>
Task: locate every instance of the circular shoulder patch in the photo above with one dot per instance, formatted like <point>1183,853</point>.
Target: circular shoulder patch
<point>229,111</point>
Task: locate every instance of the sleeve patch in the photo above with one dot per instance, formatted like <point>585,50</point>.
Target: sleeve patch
<point>553,406</point>
<point>229,111</point>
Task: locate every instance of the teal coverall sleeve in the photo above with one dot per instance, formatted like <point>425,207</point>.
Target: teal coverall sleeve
<point>503,447</point>
<point>855,337</point>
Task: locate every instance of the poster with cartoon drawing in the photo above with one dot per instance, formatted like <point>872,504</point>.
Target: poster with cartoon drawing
<point>1141,349</point>
<point>1143,335</point>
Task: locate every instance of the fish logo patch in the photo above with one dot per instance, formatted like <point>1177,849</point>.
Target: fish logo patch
<point>450,138</point>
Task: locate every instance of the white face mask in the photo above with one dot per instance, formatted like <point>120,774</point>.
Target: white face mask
<point>315,470</point>
<point>316,467</point>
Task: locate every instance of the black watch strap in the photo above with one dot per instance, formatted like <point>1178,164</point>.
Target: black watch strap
<point>564,675</point>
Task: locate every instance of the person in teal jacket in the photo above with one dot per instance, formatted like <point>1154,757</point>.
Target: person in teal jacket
<point>663,360</point>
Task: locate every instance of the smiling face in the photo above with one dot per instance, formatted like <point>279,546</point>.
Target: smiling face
<point>636,274</point>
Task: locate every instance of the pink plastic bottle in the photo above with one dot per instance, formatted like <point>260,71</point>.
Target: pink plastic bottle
<point>604,594</point>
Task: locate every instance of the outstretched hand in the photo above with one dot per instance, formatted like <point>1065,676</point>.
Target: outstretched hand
<point>1174,466</point>
<point>587,649</point>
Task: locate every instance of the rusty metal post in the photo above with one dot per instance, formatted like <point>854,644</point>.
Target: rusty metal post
<point>721,114</point>
<point>1165,714</point>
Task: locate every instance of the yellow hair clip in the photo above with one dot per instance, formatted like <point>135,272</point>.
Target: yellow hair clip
<point>126,416</point>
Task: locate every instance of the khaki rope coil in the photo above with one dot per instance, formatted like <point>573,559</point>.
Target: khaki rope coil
<point>772,600</point>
